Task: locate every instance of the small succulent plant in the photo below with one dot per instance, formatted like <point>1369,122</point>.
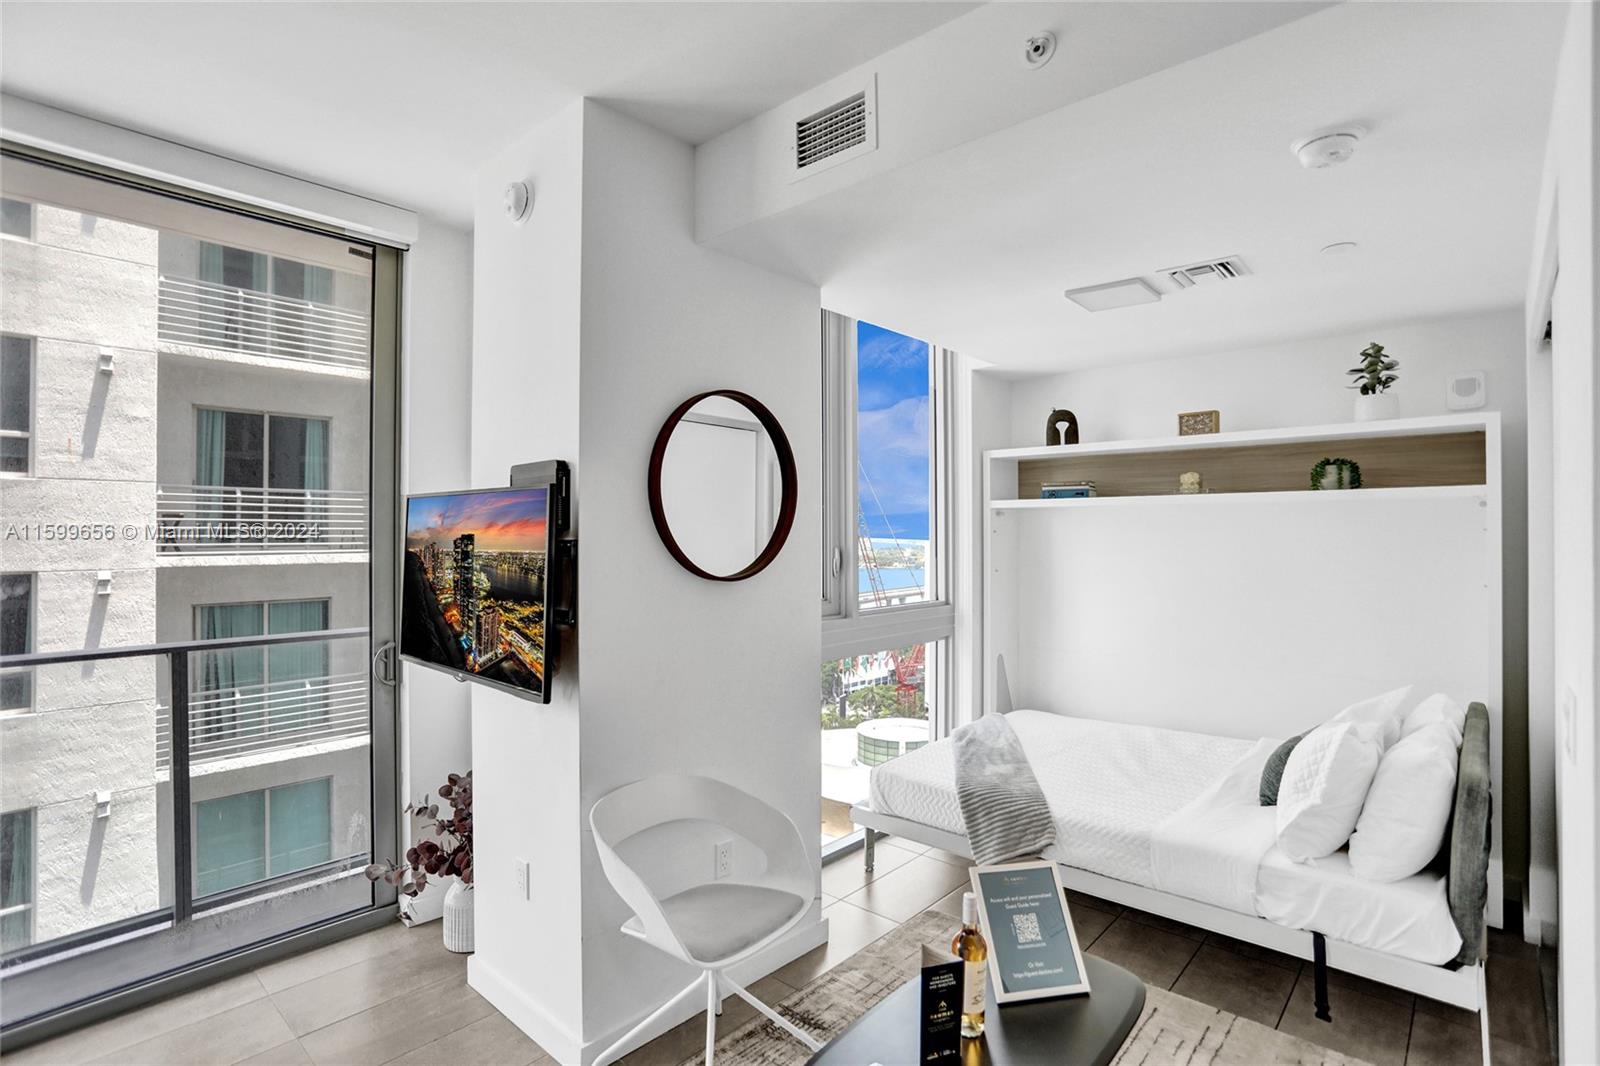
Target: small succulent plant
<point>449,854</point>
<point>1376,372</point>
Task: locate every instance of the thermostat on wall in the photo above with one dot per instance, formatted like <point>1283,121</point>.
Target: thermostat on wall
<point>1466,392</point>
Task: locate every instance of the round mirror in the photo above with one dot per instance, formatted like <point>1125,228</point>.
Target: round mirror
<point>722,485</point>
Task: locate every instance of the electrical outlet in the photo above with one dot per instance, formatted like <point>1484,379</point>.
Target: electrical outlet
<point>722,857</point>
<point>522,877</point>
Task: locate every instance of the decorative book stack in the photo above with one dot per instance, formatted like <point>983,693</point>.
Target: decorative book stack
<point>1067,490</point>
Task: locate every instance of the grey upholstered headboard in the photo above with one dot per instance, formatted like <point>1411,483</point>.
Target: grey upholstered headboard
<point>1467,880</point>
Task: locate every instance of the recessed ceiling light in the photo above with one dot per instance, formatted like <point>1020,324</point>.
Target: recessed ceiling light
<point>1339,248</point>
<point>1125,293</point>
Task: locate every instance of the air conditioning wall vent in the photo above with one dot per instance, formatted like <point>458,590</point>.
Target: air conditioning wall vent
<point>1207,273</point>
<point>837,133</point>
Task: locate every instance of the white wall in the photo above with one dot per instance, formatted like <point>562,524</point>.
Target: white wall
<point>525,757</point>
<point>1302,382</point>
<point>591,322</point>
<point>682,675</point>
<point>1573,202</point>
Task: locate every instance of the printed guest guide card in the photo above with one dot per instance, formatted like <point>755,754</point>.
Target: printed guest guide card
<point>1033,949</point>
<point>941,1007</point>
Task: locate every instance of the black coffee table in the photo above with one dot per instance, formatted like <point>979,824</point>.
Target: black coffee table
<point>1086,1030</point>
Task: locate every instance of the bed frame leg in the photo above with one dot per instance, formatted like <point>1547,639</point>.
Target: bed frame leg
<point>1319,964</point>
<point>870,849</point>
<point>1483,1007</point>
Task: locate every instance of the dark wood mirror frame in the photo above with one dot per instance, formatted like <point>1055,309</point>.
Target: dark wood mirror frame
<point>780,445</point>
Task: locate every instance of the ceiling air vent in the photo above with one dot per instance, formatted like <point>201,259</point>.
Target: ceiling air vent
<point>1209,273</point>
<point>836,133</point>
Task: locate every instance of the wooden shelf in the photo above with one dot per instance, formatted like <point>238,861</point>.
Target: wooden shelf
<point>1424,492</point>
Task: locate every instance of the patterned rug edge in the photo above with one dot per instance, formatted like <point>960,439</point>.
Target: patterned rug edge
<point>1172,1029</point>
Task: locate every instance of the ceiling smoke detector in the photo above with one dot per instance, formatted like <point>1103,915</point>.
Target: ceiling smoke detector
<point>1037,50</point>
<point>1327,148</point>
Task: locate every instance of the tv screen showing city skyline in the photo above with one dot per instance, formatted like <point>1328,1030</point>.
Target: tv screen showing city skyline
<point>475,596</point>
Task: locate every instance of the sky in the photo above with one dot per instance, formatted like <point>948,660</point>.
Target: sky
<point>504,520</point>
<point>892,431</point>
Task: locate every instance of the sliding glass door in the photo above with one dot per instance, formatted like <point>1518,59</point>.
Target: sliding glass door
<point>197,759</point>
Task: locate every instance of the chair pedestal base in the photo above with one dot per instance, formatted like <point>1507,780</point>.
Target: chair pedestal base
<point>714,982</point>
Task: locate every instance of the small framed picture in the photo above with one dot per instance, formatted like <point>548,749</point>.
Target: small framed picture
<point>1033,948</point>
<point>1191,423</point>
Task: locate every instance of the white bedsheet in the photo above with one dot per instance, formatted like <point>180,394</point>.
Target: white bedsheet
<point>1129,802</point>
<point>1409,918</point>
<point>1108,784</point>
<point>1211,848</point>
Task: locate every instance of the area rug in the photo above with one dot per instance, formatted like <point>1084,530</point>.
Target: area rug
<point>1171,1030</point>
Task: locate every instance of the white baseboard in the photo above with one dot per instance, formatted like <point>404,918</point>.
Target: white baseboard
<point>791,947</point>
<point>557,1041</point>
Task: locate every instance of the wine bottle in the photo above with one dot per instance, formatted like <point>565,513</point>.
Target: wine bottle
<point>970,947</point>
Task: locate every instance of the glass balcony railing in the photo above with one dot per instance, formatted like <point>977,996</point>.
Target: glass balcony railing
<point>247,800</point>
<point>218,519</point>
<point>208,315</point>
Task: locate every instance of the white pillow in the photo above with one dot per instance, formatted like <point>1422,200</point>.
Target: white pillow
<point>1324,784</point>
<point>1407,812</point>
<point>1437,708</point>
<point>1384,713</point>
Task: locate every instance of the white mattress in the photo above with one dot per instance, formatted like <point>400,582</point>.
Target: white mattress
<point>1409,918</point>
<point>1109,785</point>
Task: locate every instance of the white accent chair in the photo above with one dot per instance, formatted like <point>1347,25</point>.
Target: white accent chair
<point>709,923</point>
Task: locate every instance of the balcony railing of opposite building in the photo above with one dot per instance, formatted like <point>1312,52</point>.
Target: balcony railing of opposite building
<point>270,716</point>
<point>221,520</point>
<point>208,315</point>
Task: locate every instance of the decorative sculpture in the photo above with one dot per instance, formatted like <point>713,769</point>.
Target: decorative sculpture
<point>1061,428</point>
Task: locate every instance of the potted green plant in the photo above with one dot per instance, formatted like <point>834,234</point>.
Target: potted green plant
<point>1374,377</point>
<point>448,854</point>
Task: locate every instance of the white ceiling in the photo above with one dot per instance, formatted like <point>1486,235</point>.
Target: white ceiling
<point>973,248</point>
<point>401,101</point>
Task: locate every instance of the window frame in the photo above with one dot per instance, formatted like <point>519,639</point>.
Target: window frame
<point>846,629</point>
<point>266,834</point>
<point>31,814</point>
<point>33,414</point>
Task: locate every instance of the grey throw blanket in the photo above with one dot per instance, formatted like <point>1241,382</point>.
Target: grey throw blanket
<point>1002,804</point>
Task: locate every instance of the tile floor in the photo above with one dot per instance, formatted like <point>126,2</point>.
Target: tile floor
<point>395,996</point>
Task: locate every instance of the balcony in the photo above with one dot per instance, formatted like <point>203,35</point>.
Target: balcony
<point>206,315</point>
<point>267,717</point>
<point>221,520</point>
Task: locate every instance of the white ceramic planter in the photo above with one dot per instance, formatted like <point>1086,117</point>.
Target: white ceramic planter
<point>1378,406</point>
<point>458,920</point>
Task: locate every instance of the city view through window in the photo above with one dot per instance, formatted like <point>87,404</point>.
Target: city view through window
<point>874,707</point>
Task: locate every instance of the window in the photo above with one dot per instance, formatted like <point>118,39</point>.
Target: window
<point>16,638</point>
<point>16,404</point>
<point>16,880</point>
<point>246,449</point>
<point>248,695</point>
<point>16,218</point>
<point>887,619</point>
<point>251,836</point>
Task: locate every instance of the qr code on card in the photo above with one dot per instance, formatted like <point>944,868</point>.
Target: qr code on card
<point>1025,927</point>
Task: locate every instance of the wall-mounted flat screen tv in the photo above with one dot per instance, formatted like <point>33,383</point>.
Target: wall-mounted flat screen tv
<point>477,595</point>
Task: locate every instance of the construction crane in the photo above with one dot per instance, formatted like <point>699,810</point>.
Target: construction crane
<point>907,663</point>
